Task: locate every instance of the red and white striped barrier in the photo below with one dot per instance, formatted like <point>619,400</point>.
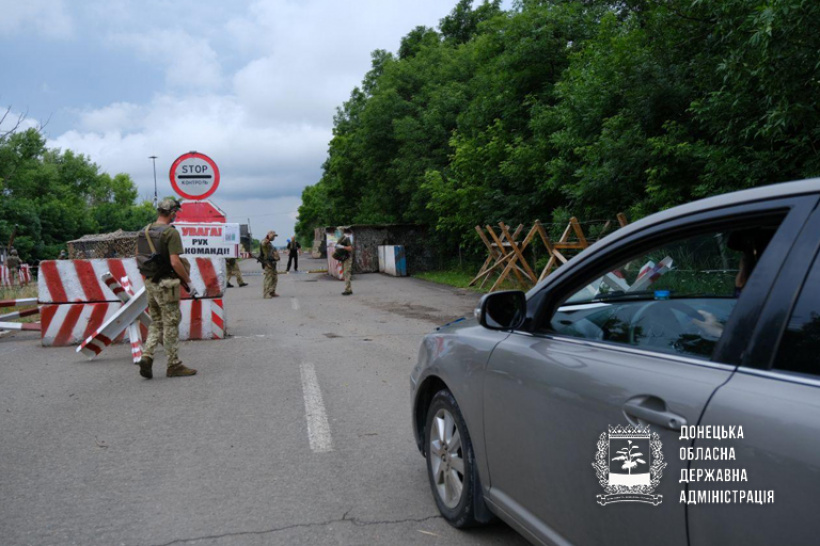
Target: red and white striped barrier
<point>34,326</point>
<point>124,292</point>
<point>20,314</point>
<point>5,325</point>
<point>116,325</point>
<point>202,319</point>
<point>65,325</point>
<point>18,303</point>
<point>80,281</point>
<point>23,278</point>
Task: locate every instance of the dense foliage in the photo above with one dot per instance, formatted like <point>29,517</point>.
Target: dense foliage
<point>55,197</point>
<point>588,107</point>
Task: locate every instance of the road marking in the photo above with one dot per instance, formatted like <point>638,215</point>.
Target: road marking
<point>294,303</point>
<point>317,425</point>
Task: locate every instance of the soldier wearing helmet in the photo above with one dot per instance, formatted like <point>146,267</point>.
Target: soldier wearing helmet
<point>270,257</point>
<point>13,264</point>
<point>159,246</point>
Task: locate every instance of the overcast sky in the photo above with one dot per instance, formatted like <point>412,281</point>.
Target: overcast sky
<point>252,84</point>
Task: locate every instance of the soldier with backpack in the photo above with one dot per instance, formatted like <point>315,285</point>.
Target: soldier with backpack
<point>159,246</point>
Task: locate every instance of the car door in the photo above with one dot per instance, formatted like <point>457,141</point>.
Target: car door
<point>613,356</point>
<point>775,397</point>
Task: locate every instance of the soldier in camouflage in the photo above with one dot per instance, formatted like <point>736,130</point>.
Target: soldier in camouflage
<point>233,270</point>
<point>13,264</point>
<point>161,242</point>
<point>347,264</point>
<point>62,255</point>
<point>270,256</point>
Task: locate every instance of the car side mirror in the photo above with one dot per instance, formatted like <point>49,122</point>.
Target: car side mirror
<point>502,310</point>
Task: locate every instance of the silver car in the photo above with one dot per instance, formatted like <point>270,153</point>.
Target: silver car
<point>663,387</point>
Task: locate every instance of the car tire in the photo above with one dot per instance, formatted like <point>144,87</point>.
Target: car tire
<point>451,462</point>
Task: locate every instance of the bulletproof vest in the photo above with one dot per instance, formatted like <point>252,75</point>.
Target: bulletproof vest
<point>153,259</point>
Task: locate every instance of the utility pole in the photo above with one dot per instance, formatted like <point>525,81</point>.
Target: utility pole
<point>154,159</point>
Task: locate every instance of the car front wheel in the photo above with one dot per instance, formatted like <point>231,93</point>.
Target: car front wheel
<point>450,461</point>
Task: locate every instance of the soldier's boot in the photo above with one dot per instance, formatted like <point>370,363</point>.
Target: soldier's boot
<point>347,293</point>
<point>231,286</point>
<point>243,284</point>
<point>146,363</point>
<point>178,370</point>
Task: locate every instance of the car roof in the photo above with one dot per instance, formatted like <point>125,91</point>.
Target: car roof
<point>763,193</point>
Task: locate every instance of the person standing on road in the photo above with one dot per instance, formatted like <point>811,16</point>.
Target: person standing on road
<point>13,264</point>
<point>270,257</point>
<point>293,254</point>
<point>346,246</point>
<point>233,270</point>
<point>158,248</point>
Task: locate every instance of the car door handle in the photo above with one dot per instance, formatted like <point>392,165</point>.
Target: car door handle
<point>652,409</point>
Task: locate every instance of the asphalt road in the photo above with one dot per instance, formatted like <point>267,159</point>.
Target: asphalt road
<point>295,431</point>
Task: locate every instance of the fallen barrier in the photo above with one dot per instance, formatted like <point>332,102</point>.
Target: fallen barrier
<point>66,325</point>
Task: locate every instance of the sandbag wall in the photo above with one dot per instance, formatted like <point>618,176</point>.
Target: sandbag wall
<point>75,301</point>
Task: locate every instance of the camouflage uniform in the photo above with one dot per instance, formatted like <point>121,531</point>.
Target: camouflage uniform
<point>13,265</point>
<point>163,304</point>
<point>271,274</point>
<point>233,270</point>
<point>347,264</point>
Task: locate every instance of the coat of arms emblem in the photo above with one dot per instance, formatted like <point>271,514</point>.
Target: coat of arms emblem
<point>629,464</point>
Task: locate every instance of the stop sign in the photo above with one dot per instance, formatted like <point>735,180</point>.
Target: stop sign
<point>194,176</point>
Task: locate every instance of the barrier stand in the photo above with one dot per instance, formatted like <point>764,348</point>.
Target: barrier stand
<point>497,257</point>
<point>506,252</point>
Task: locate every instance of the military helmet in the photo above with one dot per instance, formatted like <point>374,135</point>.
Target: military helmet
<point>14,252</point>
<point>169,204</point>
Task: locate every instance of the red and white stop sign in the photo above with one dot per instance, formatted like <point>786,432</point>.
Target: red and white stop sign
<point>194,176</point>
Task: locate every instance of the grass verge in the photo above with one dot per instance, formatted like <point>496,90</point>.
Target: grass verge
<point>461,279</point>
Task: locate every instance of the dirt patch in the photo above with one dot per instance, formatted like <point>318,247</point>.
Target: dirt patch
<point>413,311</point>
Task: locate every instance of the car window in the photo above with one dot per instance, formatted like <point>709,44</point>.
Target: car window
<point>675,298</point>
<point>800,345</point>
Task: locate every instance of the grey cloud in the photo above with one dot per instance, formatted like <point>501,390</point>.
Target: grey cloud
<point>47,18</point>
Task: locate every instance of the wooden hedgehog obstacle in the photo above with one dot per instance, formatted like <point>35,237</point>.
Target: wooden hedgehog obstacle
<point>506,250</point>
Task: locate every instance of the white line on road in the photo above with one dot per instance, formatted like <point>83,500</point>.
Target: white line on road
<point>294,303</point>
<point>317,425</point>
